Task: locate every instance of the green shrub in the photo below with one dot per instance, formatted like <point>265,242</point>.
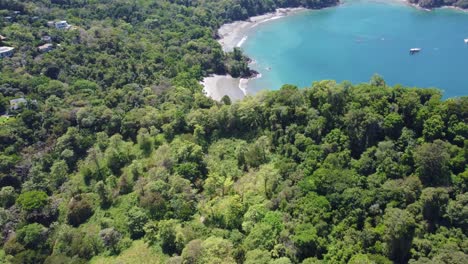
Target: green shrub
<point>32,200</point>
<point>31,236</point>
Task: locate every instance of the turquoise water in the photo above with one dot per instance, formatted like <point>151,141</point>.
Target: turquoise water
<point>359,38</point>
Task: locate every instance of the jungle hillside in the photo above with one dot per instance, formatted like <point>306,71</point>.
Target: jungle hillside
<point>110,152</point>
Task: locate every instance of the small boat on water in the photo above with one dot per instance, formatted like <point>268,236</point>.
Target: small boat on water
<point>414,50</point>
<point>466,41</point>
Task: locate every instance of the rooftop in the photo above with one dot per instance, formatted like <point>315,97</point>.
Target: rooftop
<point>45,46</point>
<point>6,49</point>
<point>18,100</point>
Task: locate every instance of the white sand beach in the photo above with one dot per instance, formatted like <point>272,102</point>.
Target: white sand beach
<point>218,86</point>
<point>234,35</point>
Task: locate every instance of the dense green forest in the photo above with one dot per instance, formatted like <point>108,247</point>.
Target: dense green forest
<point>119,157</point>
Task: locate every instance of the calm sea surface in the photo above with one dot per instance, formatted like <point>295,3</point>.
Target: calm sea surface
<point>359,38</point>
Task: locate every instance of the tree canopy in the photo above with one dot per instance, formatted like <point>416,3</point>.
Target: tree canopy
<point>119,155</point>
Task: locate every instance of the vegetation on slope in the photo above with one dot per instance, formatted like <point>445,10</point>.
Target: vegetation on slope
<point>122,152</point>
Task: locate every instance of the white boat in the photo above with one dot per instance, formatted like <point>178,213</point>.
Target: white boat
<point>414,50</point>
<point>466,41</point>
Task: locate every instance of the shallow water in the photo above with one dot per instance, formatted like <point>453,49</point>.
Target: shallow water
<point>359,38</point>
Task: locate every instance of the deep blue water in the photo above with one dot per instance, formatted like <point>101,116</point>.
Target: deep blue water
<point>359,38</point>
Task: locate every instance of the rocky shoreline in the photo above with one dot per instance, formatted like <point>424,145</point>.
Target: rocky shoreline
<point>233,35</point>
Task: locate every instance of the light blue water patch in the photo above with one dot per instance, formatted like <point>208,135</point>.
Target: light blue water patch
<point>357,39</point>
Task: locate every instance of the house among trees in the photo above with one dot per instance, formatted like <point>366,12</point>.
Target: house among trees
<point>62,25</point>
<point>2,38</point>
<point>45,48</point>
<point>17,103</point>
<point>47,39</point>
<point>6,52</point>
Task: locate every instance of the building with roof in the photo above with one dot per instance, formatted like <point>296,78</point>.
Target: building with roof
<point>45,48</point>
<point>17,103</point>
<point>62,25</point>
<point>47,39</point>
<point>6,52</point>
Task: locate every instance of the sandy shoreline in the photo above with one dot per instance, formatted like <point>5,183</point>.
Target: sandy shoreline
<point>217,86</point>
<point>234,35</point>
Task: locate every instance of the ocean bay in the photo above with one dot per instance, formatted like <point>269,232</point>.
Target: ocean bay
<point>357,39</point>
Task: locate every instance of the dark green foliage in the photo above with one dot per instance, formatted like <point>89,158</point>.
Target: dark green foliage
<point>7,196</point>
<point>306,239</point>
<point>32,236</point>
<point>399,231</point>
<point>226,100</point>
<point>457,211</point>
<point>110,238</point>
<point>103,193</point>
<point>137,218</point>
<point>393,123</point>
<point>30,244</point>
<point>434,204</point>
<point>165,233</point>
<point>79,210</point>
<point>121,144</point>
<point>432,163</point>
<point>76,244</point>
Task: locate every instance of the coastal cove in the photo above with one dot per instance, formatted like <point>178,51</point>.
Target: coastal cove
<point>350,42</point>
